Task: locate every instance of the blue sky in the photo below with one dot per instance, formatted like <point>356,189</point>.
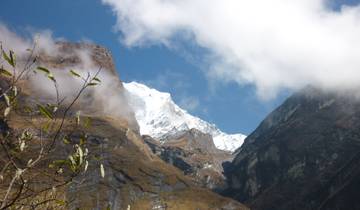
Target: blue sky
<point>234,108</point>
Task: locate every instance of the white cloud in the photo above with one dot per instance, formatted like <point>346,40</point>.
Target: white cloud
<point>272,44</point>
<point>106,98</point>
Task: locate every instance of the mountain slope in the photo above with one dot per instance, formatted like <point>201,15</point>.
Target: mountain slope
<point>304,155</point>
<point>194,153</point>
<point>133,178</point>
<point>158,116</point>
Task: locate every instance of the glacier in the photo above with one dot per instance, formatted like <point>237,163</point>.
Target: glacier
<point>158,116</point>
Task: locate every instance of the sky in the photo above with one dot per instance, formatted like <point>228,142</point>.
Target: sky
<point>221,63</point>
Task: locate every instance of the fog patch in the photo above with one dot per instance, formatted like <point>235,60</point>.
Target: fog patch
<point>107,98</point>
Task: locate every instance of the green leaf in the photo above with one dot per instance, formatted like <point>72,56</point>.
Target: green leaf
<point>66,140</point>
<point>7,99</point>
<point>15,90</point>
<point>86,165</point>
<point>51,77</point>
<point>29,162</point>
<point>81,155</point>
<point>71,158</point>
<point>96,79</point>
<point>72,72</point>
<point>93,84</point>
<point>22,146</point>
<point>47,72</point>
<point>5,56</point>
<point>5,72</point>
<point>10,59</point>
<point>43,69</point>
<point>45,112</point>
<point>60,202</point>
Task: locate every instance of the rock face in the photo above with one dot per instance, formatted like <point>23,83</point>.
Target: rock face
<point>194,153</point>
<point>304,155</point>
<point>70,54</point>
<point>106,99</point>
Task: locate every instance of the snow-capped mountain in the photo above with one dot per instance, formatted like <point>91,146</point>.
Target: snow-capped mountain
<point>158,116</point>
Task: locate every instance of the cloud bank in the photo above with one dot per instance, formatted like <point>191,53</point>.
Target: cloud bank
<point>272,44</point>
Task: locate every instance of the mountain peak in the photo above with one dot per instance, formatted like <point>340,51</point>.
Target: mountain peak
<point>159,116</point>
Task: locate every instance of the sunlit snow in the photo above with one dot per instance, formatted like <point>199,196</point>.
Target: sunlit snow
<point>158,116</point>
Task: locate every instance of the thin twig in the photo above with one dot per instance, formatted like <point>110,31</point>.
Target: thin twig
<point>85,85</point>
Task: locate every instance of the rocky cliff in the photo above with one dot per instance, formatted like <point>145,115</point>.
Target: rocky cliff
<point>304,155</point>
<point>194,153</point>
<point>108,99</point>
<point>69,55</point>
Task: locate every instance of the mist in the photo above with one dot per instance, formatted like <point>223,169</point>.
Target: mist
<point>107,98</point>
<point>273,45</point>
